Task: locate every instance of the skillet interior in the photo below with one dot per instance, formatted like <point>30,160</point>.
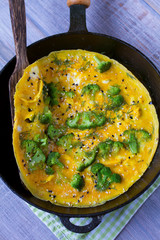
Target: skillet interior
<point>141,67</point>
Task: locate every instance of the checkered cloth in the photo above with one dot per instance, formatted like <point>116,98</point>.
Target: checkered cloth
<point>111,225</point>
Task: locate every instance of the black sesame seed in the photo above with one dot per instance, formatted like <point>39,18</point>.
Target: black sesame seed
<point>94,137</point>
<point>122,80</point>
<point>51,68</point>
<point>82,95</point>
<point>131,117</point>
<point>112,135</point>
<point>54,196</point>
<point>33,72</point>
<point>50,191</point>
<point>78,201</point>
<point>29,110</point>
<point>87,192</point>
<point>129,157</point>
<point>31,83</point>
<point>46,70</point>
<point>125,87</point>
<point>62,114</point>
<point>28,79</point>
<point>65,150</point>
<point>150,102</point>
<point>120,123</point>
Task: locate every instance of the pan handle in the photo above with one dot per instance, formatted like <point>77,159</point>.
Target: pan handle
<point>81,229</point>
<point>78,15</point>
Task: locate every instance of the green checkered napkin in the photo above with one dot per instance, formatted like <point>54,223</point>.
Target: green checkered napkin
<point>111,225</point>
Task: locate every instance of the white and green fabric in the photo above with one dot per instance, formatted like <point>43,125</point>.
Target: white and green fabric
<point>111,225</point>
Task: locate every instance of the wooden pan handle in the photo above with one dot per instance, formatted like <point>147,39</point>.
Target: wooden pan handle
<point>80,2</point>
<point>18,20</point>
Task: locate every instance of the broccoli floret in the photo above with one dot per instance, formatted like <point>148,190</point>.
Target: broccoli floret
<point>50,93</point>
<point>53,159</point>
<point>87,160</point>
<point>105,148</point>
<point>34,155</point>
<point>54,133</point>
<point>86,120</point>
<point>29,145</point>
<point>104,176</point>
<point>96,168</point>
<point>117,146</point>
<point>53,93</point>
<point>38,157</point>
<point>132,142</point>
<point>46,116</point>
<point>77,182</point>
<point>49,170</point>
<point>114,90</point>
<point>144,134</point>
<point>69,94</point>
<point>115,178</point>
<point>102,65</point>
<point>66,141</point>
<point>41,141</point>
<point>91,90</point>
<point>135,138</point>
<point>116,101</point>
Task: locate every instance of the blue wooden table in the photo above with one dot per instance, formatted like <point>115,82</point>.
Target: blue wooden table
<point>134,21</point>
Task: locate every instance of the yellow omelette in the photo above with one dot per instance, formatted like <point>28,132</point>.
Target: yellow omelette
<point>85,129</point>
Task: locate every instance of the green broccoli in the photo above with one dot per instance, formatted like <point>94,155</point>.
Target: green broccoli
<point>53,159</point>
<point>114,90</point>
<point>105,148</point>
<point>69,94</point>
<point>49,170</point>
<point>90,90</point>
<point>66,141</point>
<point>132,142</point>
<point>115,178</point>
<point>116,101</point>
<point>29,145</point>
<point>104,176</point>
<point>86,120</point>
<point>102,65</point>
<point>77,182</point>
<point>117,146</point>
<point>46,116</point>
<point>41,141</point>
<point>144,134</point>
<point>50,93</point>
<point>88,159</point>
<point>96,168</point>
<point>53,132</point>
<point>135,137</point>
<point>34,155</point>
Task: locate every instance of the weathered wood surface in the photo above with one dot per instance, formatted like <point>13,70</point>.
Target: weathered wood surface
<point>134,21</point>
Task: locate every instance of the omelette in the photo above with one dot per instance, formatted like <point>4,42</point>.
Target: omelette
<point>85,129</point>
